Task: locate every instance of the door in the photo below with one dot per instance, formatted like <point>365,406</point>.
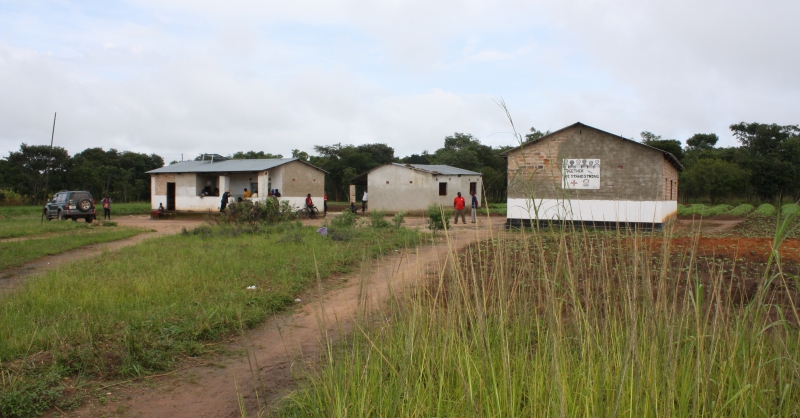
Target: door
<point>170,196</point>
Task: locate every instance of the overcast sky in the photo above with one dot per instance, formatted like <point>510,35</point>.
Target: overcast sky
<point>176,77</point>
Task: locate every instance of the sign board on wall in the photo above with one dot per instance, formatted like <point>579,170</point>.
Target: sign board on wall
<point>580,173</point>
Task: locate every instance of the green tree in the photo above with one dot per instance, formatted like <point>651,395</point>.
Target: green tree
<point>702,141</point>
<point>253,155</point>
<point>300,155</point>
<point>713,178</point>
<point>344,162</point>
<point>772,161</point>
<point>535,134</point>
<point>25,170</point>
<point>672,146</point>
<point>465,151</point>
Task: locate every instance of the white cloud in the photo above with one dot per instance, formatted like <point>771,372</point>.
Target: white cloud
<point>179,76</point>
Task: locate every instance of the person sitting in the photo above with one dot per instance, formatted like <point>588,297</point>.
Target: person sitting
<point>277,193</point>
<point>353,207</point>
<point>312,210</point>
<point>247,193</point>
<point>160,209</point>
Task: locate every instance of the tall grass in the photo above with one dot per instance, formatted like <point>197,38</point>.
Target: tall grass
<point>571,323</point>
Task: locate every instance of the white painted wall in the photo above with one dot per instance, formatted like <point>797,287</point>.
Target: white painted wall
<point>592,210</point>
<point>413,190</point>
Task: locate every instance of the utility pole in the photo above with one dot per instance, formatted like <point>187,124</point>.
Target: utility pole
<point>49,158</point>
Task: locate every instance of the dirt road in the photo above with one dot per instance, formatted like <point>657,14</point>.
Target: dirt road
<point>280,345</point>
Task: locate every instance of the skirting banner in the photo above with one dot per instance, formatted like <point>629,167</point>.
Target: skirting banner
<point>580,173</point>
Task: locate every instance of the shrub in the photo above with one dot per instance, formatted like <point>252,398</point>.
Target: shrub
<point>438,217</point>
<point>741,210</point>
<point>378,219</point>
<point>346,219</point>
<point>716,210</point>
<point>790,209</point>
<point>399,218</point>
<point>765,210</point>
<point>248,212</point>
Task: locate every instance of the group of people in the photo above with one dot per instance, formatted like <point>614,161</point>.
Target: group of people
<point>247,195</point>
<point>460,204</point>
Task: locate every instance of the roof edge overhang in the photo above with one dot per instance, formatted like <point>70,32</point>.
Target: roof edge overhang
<point>668,155</point>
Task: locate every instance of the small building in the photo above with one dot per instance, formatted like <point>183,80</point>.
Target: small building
<point>413,187</point>
<point>584,175</point>
<point>196,186</point>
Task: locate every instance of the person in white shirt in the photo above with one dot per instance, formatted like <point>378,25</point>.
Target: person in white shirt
<point>364,202</point>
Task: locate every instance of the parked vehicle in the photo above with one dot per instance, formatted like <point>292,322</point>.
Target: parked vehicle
<point>68,204</point>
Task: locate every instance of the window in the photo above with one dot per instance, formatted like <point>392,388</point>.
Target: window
<point>442,189</point>
<point>473,188</point>
<point>253,188</point>
<point>670,191</point>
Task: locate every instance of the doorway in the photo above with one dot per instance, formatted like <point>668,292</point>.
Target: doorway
<point>170,196</point>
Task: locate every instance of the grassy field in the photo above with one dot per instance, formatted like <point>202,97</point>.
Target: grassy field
<point>135,311</point>
<point>17,253</point>
<point>136,208</point>
<point>572,323</point>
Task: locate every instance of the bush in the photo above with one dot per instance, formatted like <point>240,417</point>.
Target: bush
<point>438,217</point>
<point>790,209</point>
<point>378,219</point>
<point>346,219</point>
<point>716,210</point>
<point>248,212</point>
<point>765,210</point>
<point>399,218</point>
<point>741,210</point>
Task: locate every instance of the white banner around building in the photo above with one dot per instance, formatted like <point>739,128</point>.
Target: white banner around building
<point>580,173</point>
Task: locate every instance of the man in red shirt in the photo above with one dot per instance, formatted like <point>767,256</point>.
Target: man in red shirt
<point>459,204</point>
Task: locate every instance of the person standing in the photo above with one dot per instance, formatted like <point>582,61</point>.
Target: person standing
<point>106,202</point>
<point>224,203</point>
<point>364,202</point>
<point>474,205</point>
<point>459,204</point>
<point>324,203</point>
<point>247,193</point>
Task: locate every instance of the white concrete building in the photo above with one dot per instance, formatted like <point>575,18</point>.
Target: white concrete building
<point>197,186</point>
<point>414,187</point>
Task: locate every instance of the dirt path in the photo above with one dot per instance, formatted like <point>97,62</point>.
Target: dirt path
<point>10,279</point>
<point>280,345</point>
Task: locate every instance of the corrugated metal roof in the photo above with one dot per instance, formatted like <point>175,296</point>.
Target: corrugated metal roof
<point>227,166</point>
<point>445,170</point>
<point>433,169</point>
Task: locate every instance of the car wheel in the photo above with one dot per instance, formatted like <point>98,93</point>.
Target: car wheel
<point>89,220</point>
<point>85,205</point>
<point>60,216</point>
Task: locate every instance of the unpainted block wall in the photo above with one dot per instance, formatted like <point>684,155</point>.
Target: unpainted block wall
<point>300,179</point>
<point>161,182</point>
<point>670,175</point>
<point>628,170</point>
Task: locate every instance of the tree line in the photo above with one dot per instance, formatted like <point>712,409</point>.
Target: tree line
<point>118,174</point>
<point>764,167</point>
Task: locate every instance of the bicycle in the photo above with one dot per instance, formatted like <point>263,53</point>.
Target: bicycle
<point>306,213</point>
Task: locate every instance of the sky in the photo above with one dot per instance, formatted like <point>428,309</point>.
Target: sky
<point>178,78</point>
